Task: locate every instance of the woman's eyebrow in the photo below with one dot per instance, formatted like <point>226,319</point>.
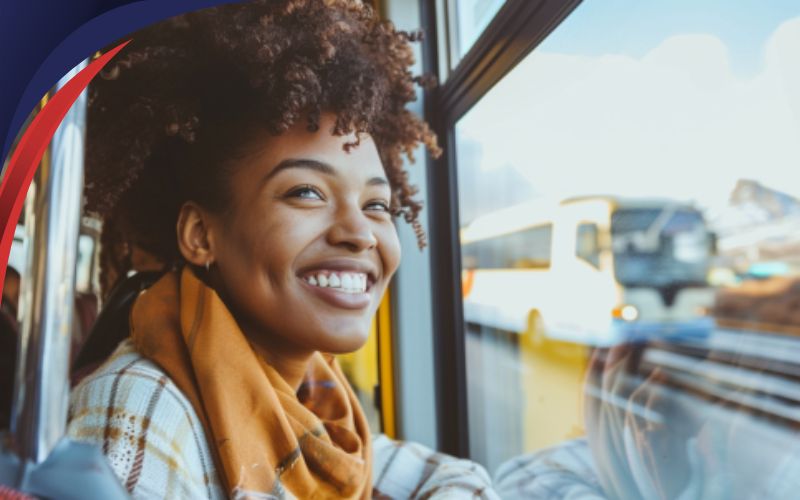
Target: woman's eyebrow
<point>378,181</point>
<point>301,163</point>
<point>318,166</point>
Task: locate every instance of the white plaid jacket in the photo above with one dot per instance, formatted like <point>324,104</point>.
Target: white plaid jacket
<point>155,442</point>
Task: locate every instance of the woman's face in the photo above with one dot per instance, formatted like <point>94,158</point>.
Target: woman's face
<point>308,247</point>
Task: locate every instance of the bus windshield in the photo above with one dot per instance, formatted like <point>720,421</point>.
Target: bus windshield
<point>660,247</point>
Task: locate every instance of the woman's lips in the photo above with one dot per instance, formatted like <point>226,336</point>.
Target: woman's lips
<point>339,298</point>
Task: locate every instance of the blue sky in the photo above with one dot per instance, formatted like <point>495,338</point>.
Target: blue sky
<point>669,98</point>
<point>634,27</point>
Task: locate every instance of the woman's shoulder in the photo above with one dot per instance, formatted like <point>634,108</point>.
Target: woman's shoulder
<point>124,360</point>
<point>129,383</point>
<point>145,426</point>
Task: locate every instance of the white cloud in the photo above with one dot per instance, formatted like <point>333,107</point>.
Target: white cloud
<point>675,123</point>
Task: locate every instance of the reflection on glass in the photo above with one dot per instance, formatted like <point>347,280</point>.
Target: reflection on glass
<point>629,266</point>
<point>630,244</point>
<point>470,19</point>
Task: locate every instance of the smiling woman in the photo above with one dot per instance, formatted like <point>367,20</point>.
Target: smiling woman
<point>254,152</point>
<point>331,209</point>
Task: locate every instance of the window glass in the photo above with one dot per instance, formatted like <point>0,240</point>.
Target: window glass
<point>83,266</point>
<point>525,248</point>
<point>468,19</point>
<point>586,245</point>
<point>658,143</point>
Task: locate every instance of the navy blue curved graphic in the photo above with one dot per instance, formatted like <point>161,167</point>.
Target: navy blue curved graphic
<point>41,40</point>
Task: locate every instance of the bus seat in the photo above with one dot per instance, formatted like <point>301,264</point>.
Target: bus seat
<point>111,326</point>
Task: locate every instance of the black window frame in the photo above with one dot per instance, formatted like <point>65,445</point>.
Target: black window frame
<point>517,28</point>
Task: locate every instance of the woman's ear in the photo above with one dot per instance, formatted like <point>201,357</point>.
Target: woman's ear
<point>195,241</point>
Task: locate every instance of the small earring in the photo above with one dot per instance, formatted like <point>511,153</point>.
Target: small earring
<point>208,265</point>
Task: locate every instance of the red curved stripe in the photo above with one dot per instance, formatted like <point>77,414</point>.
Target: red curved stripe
<point>31,147</point>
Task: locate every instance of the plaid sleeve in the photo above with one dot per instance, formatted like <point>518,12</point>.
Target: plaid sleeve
<point>147,430</point>
<point>563,471</point>
<point>410,470</point>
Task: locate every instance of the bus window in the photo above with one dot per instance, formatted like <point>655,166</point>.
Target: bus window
<point>468,20</point>
<point>83,276</point>
<point>528,248</point>
<point>657,355</point>
<point>587,246</point>
<point>660,247</point>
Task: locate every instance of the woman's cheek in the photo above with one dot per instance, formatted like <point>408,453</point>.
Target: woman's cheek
<point>391,252</point>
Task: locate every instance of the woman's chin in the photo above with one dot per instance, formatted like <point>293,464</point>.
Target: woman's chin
<point>342,341</point>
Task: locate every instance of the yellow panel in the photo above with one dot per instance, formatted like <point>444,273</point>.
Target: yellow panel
<point>386,366</point>
<point>361,366</point>
<point>372,366</point>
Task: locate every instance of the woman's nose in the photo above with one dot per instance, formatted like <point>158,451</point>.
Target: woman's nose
<point>352,229</point>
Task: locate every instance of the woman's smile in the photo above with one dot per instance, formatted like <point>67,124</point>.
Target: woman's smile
<point>342,283</point>
<point>339,296</point>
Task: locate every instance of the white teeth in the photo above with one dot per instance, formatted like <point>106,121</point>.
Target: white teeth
<point>347,281</point>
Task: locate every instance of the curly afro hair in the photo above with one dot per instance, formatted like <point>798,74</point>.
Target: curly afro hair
<point>177,106</point>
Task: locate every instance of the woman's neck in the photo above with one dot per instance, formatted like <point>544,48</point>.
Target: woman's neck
<point>290,362</point>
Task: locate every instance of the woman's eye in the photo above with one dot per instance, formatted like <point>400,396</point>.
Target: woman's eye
<point>306,193</point>
<point>379,206</point>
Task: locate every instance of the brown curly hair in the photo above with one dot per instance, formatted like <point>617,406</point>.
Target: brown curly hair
<point>176,107</point>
